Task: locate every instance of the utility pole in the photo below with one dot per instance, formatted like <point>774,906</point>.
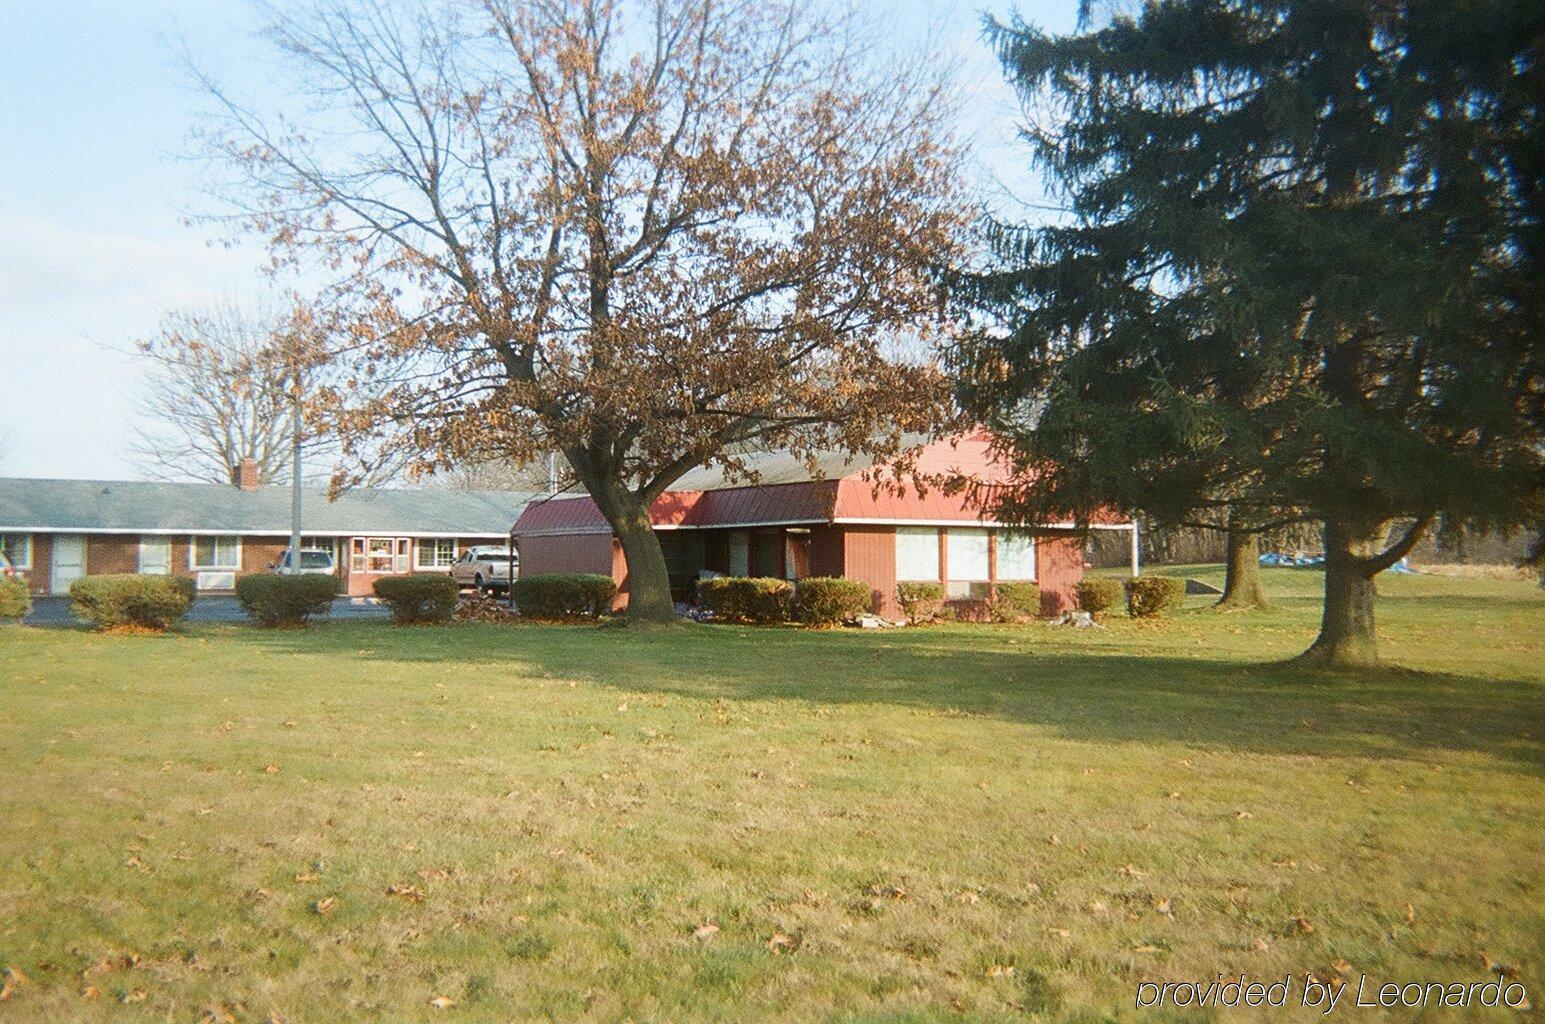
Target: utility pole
<point>295,419</point>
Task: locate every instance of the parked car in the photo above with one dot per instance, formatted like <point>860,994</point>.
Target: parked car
<point>484,568</point>
<point>312,562</point>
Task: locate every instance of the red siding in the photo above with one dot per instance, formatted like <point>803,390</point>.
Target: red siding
<point>869,554</point>
<point>1059,565</point>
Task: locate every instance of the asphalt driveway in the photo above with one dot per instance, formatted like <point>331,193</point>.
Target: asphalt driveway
<point>55,611</point>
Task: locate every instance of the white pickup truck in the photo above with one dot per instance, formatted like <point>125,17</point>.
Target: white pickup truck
<point>484,568</point>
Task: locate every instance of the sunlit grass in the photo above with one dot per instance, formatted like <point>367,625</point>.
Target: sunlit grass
<point>963,823</point>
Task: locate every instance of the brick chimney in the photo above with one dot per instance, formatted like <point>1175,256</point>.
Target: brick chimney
<point>247,475</point>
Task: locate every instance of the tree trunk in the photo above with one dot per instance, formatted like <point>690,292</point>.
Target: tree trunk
<point>1242,571</point>
<point>649,585</point>
<point>1346,637</point>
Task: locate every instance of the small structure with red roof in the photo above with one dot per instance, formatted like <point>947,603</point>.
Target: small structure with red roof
<point>835,515</point>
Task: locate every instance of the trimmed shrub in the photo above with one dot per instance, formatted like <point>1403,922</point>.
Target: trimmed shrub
<point>1018,601</point>
<point>15,601</point>
<point>132,600</point>
<point>270,599</point>
<point>419,598</point>
<point>1098,594</point>
<point>1152,595</point>
<point>920,602</point>
<point>747,598</point>
<point>828,600</point>
<point>564,595</point>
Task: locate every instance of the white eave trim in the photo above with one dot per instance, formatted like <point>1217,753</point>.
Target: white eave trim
<point>597,531</point>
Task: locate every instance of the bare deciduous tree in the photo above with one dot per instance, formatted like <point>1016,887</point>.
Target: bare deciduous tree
<point>642,234</point>
<point>215,394</point>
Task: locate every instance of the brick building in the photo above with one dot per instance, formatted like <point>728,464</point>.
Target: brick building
<point>58,530</point>
<point>838,518</point>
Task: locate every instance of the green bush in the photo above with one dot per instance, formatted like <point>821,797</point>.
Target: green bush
<point>131,600</point>
<point>564,595</point>
<point>828,600</point>
<point>274,600</point>
<point>747,598</point>
<point>920,602</point>
<point>1152,595</point>
<point>422,597</point>
<point>15,601</point>
<point>1015,602</point>
<point>1098,593</point>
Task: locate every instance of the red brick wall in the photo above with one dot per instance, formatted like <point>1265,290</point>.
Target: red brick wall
<point>42,563</point>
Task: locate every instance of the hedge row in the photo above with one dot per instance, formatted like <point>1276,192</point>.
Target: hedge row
<point>132,600</point>
<point>274,600</point>
<point>15,600</point>
<point>747,599</point>
<point>1154,595</point>
<point>420,598</point>
<point>564,595</point>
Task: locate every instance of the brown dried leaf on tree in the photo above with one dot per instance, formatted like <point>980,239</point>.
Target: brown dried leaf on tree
<point>712,234</point>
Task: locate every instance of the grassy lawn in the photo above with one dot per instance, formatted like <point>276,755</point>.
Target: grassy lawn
<point>953,824</point>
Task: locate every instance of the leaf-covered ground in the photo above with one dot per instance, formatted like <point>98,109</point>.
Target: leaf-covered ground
<point>484,823</point>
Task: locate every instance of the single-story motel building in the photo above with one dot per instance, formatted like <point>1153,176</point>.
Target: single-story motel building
<point>840,517</point>
<point>56,531</point>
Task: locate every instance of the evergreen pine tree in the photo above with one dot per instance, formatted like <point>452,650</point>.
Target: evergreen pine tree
<point>1298,279</point>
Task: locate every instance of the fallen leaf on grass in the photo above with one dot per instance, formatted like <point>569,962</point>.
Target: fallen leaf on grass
<point>1147,948</point>
<point>969,898</point>
<point>1241,815</point>
<point>307,876</point>
<point>442,1002</point>
<point>1410,914</point>
<point>219,1015</point>
<point>1300,925</point>
<point>325,905</point>
<point>271,769</point>
<point>409,892</point>
<point>1262,946</point>
<point>429,873</point>
<point>1131,872</point>
<point>1497,967</point>
<point>1164,907</point>
<point>14,979</point>
<point>781,943</point>
<point>705,932</point>
<point>890,892</point>
<point>91,992</point>
<point>139,995</point>
<point>1059,933</point>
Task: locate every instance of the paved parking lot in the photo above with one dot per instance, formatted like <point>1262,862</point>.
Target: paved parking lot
<point>55,611</point>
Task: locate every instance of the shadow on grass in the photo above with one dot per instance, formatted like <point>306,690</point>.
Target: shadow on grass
<point>1092,694</point>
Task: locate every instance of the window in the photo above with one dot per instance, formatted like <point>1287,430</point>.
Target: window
<point>1016,556</point>
<point>439,553</point>
<point>215,553</point>
<point>917,553</point>
<point>379,555</point>
<point>739,563</point>
<point>18,548</point>
<point>966,553</point>
<point>767,553</point>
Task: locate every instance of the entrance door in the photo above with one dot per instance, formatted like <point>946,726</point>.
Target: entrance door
<point>155,555</point>
<point>68,562</point>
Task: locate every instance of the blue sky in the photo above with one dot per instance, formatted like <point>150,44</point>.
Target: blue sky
<point>100,175</point>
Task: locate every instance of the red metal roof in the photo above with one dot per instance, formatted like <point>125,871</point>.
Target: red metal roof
<point>866,494</point>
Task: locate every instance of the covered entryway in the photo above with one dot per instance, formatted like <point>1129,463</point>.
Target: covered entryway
<point>68,563</point>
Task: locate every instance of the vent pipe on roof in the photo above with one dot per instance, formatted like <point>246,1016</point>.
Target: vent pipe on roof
<point>247,475</point>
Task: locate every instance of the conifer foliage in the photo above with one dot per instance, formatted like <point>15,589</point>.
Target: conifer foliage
<point>1298,278</point>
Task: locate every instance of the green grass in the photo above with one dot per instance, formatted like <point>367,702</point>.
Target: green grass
<point>952,824</point>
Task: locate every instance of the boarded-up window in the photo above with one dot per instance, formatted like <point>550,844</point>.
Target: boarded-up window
<point>917,553</point>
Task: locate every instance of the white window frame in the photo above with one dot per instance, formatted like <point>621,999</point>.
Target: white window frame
<point>432,546</point>
<point>920,537</point>
<point>361,557</point>
<point>1006,539</point>
<point>6,541</point>
<point>218,540</point>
